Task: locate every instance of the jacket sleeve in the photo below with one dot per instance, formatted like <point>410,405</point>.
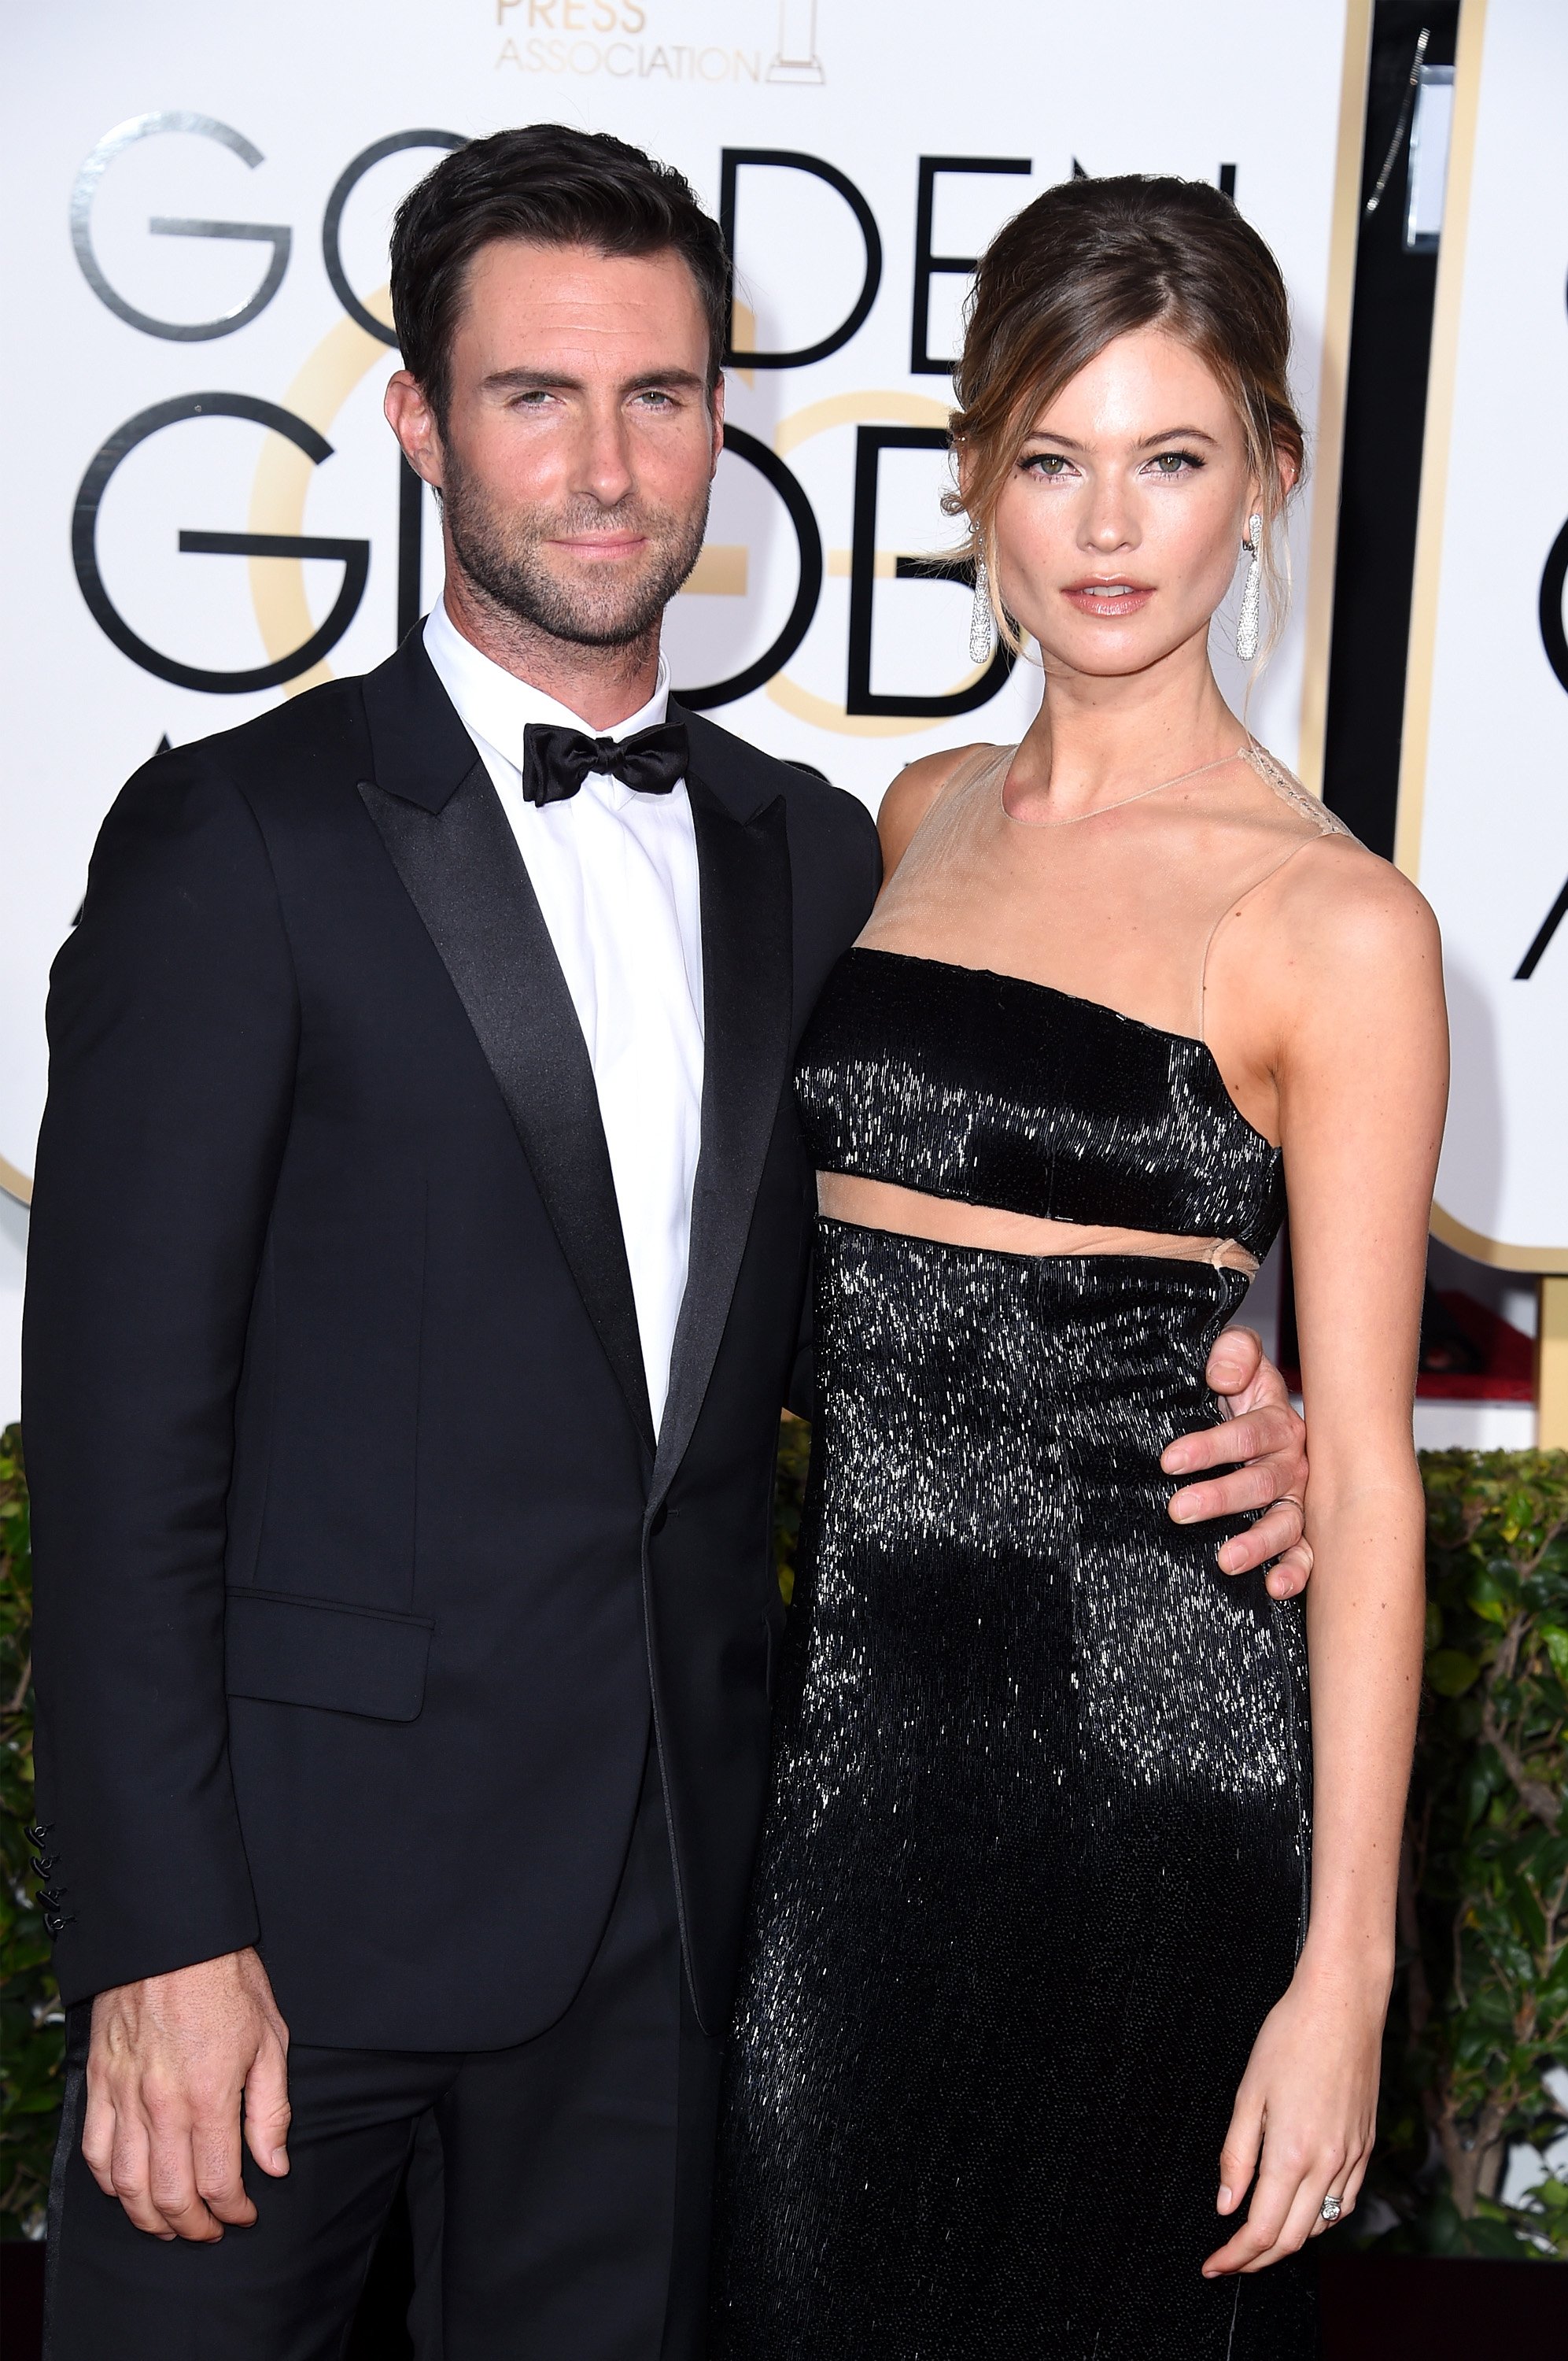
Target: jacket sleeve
<point>173,1027</point>
<point>864,867</point>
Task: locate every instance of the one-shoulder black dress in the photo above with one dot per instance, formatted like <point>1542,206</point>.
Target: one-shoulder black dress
<point>1035,1866</point>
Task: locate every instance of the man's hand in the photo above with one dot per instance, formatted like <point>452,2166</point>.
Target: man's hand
<point>1265,1434</point>
<point>172,2058</point>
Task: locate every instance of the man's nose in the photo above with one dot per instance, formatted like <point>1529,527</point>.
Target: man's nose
<point>605,459</point>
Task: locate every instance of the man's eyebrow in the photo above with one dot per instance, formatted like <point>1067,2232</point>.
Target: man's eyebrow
<point>540,380</point>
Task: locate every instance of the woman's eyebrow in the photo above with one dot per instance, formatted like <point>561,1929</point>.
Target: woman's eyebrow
<point>1166,435</point>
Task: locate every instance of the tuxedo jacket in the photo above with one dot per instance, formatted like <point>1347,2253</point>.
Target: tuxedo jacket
<point>360,1575</point>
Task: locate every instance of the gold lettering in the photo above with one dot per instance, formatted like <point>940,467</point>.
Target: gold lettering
<point>632,17</point>
<point>604,16</point>
<point>541,12</point>
<point>501,7</point>
<point>572,17</point>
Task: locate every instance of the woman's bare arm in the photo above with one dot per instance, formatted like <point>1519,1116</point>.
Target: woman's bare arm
<point>1362,1067</point>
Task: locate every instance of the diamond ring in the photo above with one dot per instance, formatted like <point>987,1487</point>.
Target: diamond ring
<point>1331,2209</point>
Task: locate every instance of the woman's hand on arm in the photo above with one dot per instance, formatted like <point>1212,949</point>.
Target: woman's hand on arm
<point>1362,1063</point>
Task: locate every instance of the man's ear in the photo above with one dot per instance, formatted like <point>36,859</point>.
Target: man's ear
<point>412,421</point>
<point>717,409</point>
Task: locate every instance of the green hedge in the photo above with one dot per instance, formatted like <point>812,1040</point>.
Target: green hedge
<point>1481,2001</point>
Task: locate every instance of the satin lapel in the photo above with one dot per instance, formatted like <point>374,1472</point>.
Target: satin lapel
<point>469,883</point>
<point>748,979</point>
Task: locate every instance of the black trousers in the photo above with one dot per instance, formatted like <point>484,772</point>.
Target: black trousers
<point>560,2191</point>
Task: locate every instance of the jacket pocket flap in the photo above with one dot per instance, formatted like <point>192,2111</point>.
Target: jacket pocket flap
<point>310,1651</point>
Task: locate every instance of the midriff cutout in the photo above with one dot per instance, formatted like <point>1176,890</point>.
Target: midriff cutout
<point>881,1205</point>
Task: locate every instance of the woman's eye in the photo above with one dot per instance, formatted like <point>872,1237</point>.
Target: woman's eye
<point>1176,463</point>
<point>1052,465</point>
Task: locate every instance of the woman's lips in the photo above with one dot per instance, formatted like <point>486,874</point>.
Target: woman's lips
<point>1113,597</point>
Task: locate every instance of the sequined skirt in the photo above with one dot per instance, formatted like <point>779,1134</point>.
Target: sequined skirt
<point>1035,1862</point>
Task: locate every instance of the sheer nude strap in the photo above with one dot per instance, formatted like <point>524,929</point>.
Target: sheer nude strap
<point>1289,788</point>
<point>968,774</point>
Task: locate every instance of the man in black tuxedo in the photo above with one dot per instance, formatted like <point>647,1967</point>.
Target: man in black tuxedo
<point>418,1249</point>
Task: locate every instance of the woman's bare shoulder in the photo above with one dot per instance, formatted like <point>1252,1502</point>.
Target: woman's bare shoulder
<point>911,796</point>
<point>1350,923</point>
<point>1355,895</point>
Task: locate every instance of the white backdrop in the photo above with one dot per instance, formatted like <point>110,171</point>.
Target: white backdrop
<point>128,260</point>
<point>1484,797</point>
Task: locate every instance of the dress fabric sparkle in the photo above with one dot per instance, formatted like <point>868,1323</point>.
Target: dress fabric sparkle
<point>1035,1866</point>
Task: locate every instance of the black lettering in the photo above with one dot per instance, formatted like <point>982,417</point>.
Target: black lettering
<point>808,592</point>
<point>332,220</point>
<point>273,234</point>
<point>733,162</point>
<point>928,265</point>
<point>1548,928</point>
<point>1553,575</point>
<point>871,442</point>
<point>411,546</point>
<point>354,555</point>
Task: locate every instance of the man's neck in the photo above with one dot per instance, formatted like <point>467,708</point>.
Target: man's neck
<point>603,685</point>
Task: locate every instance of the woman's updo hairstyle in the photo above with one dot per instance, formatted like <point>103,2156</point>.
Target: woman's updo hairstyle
<point>1094,259</point>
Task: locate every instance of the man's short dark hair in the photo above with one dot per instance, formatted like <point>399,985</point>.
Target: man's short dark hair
<point>555,187</point>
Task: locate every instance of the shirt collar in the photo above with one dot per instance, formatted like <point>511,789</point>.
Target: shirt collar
<point>495,705</point>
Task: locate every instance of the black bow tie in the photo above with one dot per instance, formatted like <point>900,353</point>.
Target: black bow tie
<point>556,762</point>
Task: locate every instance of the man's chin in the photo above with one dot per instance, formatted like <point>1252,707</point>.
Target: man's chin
<point>592,612</point>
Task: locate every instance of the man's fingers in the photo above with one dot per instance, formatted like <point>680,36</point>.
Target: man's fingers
<point>1224,1496</point>
<point>1270,1432</point>
<point>130,2173</point>
<point>215,2155</point>
<point>267,2110</point>
<point>1235,1360</point>
<point>173,2178</point>
<point>98,2137</point>
<point>1291,1575</point>
<point>1273,1534</point>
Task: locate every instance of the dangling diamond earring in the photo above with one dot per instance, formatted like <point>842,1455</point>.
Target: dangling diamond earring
<point>982,623</point>
<point>1252,589</point>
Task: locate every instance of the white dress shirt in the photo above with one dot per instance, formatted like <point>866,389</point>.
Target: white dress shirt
<point>615,874</point>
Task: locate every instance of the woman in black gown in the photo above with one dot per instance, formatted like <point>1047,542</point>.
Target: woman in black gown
<point>1031,2018</point>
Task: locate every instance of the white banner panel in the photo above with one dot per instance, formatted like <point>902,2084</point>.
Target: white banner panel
<point>208,506</point>
<point>1484,786</point>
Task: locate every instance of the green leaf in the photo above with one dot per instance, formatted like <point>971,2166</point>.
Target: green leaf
<point>1556,1640</point>
<point>1449,1673</point>
<point>1487,1598</point>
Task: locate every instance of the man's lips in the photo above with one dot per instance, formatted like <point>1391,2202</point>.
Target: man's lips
<point>601,546</point>
<point>1110,595</point>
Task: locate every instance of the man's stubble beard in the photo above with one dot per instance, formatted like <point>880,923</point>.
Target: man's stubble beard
<point>501,551</point>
